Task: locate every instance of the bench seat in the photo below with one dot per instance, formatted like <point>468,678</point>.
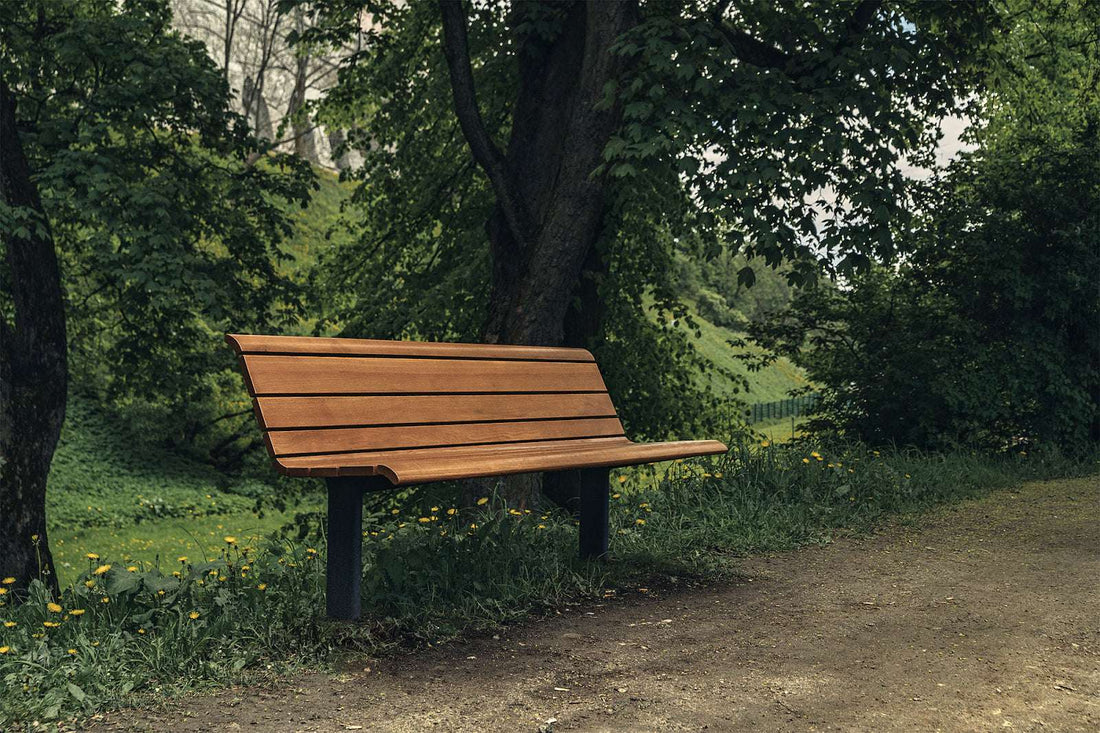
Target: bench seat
<point>424,465</point>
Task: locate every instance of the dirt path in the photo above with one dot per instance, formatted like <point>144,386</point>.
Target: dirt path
<point>985,617</point>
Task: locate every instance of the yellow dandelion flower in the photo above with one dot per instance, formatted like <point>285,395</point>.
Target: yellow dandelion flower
<point>101,570</point>
<point>482,501</point>
<point>181,558</point>
<point>176,574</point>
<point>639,521</point>
<point>95,643</point>
<point>424,520</point>
<point>104,599</point>
<point>92,556</point>
<point>805,460</point>
<point>89,583</point>
<point>435,509</point>
<point>874,453</point>
<point>622,479</point>
<point>5,649</point>
<point>7,581</point>
<point>643,505</point>
<point>473,526</point>
<point>141,631</point>
<point>230,539</point>
<point>400,525</point>
<point>3,591</point>
<point>221,578</point>
<point>132,569</point>
<point>54,607</point>
<point>451,512</point>
<point>10,624</point>
<point>615,496</point>
<point>77,612</point>
<point>395,511</point>
<point>907,476</point>
<point>50,624</point>
<point>311,551</point>
<point>73,652</point>
<point>718,475</point>
<point>765,443</point>
<point>261,586</point>
<point>193,615</point>
<point>542,526</point>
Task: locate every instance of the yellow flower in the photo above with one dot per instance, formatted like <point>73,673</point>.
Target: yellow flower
<point>73,652</point>
<point>615,496</point>
<point>89,583</point>
<point>542,526</point>
<point>175,573</point>
<point>50,624</point>
<point>395,511</point>
<point>424,520</point>
<point>311,551</point>
<point>906,475</point>
<point>10,624</point>
<point>261,586</point>
<point>874,453</point>
<point>3,591</point>
<point>718,474</point>
<point>451,512</point>
<point>482,501</point>
<point>77,612</point>
<point>515,512</point>
<point>104,599</point>
<point>221,578</point>
<point>181,558</point>
<point>622,479</point>
<point>5,649</point>
<point>54,607</point>
<point>7,581</point>
<point>400,525</point>
<point>230,539</point>
<point>805,460</point>
<point>643,505</point>
<point>92,556</point>
<point>639,521</point>
<point>132,569</point>
<point>473,526</point>
<point>193,615</point>
<point>101,569</point>
<point>435,509</point>
<point>765,443</point>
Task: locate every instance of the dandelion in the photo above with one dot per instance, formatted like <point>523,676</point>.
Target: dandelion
<point>451,512</point>
<point>643,505</point>
<point>765,443</point>
<point>805,460</point>
<point>193,615</point>
<point>132,569</point>
<point>718,475</point>
<point>615,496</point>
<point>311,551</point>
<point>400,525</point>
<point>435,509</point>
<point>10,624</point>
<point>104,599</point>
<point>7,581</point>
<point>54,607</point>
<point>473,526</point>
<point>92,556</point>
<point>261,586</point>
<point>72,652</point>
<point>515,512</point>
<point>221,578</point>
<point>95,643</point>
<point>141,631</point>
<point>230,539</point>
<point>639,521</point>
<point>874,453</point>
<point>176,574</point>
<point>622,479</point>
<point>101,570</point>
<point>482,501</point>
<point>50,624</point>
<point>542,526</point>
<point>5,649</point>
<point>76,612</point>
<point>395,512</point>
<point>89,583</point>
<point>907,476</point>
<point>424,520</point>
<point>3,591</point>
<point>181,558</point>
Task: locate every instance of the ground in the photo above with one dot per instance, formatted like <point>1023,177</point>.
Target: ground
<point>981,616</point>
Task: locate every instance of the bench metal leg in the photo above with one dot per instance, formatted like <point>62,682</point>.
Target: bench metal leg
<point>345,547</point>
<point>594,511</point>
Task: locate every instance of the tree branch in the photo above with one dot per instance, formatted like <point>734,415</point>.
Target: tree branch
<point>484,150</point>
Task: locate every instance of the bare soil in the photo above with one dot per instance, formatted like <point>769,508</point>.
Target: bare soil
<point>985,616</point>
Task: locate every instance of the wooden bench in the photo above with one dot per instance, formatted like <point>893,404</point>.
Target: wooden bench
<point>370,415</point>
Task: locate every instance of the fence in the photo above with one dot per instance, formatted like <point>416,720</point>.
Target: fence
<point>779,409</point>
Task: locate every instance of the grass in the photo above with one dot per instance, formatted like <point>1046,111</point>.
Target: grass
<point>435,570</point>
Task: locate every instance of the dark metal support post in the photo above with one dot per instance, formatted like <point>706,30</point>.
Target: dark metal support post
<point>345,547</point>
<point>594,511</point>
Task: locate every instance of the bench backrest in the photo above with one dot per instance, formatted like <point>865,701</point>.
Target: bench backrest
<point>315,396</point>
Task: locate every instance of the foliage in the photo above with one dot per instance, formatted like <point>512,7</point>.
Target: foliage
<point>167,214</point>
<point>723,146</point>
<point>437,571</point>
<point>986,334</point>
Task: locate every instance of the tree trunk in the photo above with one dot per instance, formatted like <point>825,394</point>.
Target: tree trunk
<point>33,366</point>
<point>550,209</point>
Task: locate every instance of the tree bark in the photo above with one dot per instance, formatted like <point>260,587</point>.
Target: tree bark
<point>33,367</point>
<point>550,209</point>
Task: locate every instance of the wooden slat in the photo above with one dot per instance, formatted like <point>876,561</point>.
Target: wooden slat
<point>284,442</point>
<point>324,411</point>
<point>252,344</point>
<point>328,375</point>
<point>443,464</point>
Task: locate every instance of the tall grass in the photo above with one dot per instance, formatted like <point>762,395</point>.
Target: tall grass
<point>434,570</point>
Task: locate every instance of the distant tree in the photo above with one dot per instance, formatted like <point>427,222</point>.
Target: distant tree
<point>606,132</point>
<point>134,229</point>
<point>987,334</point>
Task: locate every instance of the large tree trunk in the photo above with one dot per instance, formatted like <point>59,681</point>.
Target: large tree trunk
<point>550,208</point>
<point>33,367</point>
